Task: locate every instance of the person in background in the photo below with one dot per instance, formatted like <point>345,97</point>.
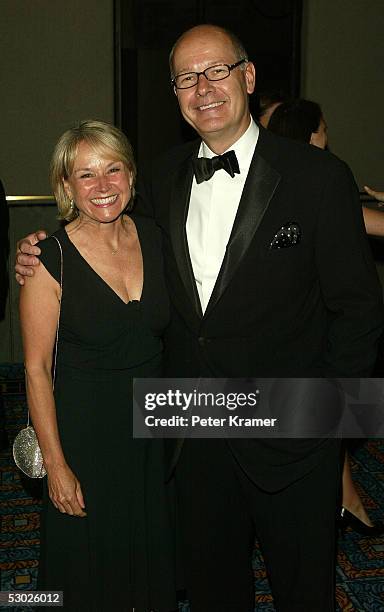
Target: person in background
<point>4,251</point>
<point>303,120</point>
<point>4,285</point>
<point>374,219</point>
<point>378,195</point>
<point>268,102</point>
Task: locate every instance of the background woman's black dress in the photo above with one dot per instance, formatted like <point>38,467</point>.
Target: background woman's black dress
<point>118,557</point>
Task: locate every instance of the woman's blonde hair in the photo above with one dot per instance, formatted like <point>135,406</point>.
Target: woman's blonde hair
<point>101,136</point>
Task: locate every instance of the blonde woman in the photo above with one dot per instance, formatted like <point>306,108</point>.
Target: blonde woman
<point>99,542</point>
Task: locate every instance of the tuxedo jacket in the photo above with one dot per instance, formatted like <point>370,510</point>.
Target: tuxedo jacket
<point>297,294</point>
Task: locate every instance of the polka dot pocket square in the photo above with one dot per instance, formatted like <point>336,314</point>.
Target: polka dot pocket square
<point>288,235</point>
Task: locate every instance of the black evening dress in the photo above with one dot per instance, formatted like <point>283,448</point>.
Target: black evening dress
<point>118,557</point>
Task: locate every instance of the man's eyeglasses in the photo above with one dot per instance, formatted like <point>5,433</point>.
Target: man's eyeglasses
<point>213,73</point>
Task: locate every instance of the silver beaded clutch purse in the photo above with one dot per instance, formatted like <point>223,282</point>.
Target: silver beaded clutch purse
<point>27,453</point>
<point>26,450</point>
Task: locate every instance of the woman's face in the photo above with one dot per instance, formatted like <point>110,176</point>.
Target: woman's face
<point>320,137</point>
<point>99,185</point>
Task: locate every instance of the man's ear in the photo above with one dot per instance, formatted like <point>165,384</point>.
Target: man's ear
<point>250,77</point>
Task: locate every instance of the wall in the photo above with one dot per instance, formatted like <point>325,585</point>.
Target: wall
<point>342,68</point>
<point>57,67</point>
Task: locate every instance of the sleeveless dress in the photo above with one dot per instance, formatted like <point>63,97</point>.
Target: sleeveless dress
<point>119,556</point>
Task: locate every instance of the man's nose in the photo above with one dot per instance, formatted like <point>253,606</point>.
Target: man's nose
<point>203,85</point>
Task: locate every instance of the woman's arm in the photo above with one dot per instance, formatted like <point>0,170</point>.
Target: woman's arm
<point>374,221</point>
<point>378,195</point>
<point>39,310</point>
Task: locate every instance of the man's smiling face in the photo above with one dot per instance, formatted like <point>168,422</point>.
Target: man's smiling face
<point>217,110</point>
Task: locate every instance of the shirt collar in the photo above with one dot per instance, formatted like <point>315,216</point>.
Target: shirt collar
<point>243,147</point>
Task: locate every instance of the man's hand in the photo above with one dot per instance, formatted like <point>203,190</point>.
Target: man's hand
<point>26,255</point>
<point>378,195</point>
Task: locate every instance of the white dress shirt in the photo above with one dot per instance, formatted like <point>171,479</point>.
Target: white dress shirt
<point>212,210</point>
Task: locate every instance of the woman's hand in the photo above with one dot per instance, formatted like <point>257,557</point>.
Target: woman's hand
<point>65,490</point>
<point>378,195</point>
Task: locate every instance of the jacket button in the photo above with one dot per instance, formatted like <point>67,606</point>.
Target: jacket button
<point>203,341</point>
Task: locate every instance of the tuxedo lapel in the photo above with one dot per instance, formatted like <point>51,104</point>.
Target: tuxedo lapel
<point>177,222</point>
<point>259,188</point>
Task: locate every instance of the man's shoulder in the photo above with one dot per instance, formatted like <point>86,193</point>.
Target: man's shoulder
<point>289,155</point>
<point>178,153</point>
<point>144,223</point>
<point>162,166</point>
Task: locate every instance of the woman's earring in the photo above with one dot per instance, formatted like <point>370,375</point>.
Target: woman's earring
<point>72,205</point>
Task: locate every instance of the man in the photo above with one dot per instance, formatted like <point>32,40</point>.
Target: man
<point>269,275</point>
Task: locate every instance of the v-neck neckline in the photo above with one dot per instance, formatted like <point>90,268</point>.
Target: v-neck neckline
<point>101,279</point>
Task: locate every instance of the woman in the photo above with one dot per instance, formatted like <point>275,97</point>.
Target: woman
<point>268,102</point>
<point>303,120</point>
<point>103,536</point>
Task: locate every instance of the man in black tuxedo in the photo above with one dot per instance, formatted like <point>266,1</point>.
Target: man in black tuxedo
<point>269,275</point>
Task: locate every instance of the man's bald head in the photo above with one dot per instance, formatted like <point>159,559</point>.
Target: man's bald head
<point>237,46</point>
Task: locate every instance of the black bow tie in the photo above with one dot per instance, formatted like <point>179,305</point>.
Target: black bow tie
<point>205,167</point>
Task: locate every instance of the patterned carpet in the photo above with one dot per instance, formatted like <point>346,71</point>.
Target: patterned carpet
<point>19,496</point>
<point>360,569</point>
